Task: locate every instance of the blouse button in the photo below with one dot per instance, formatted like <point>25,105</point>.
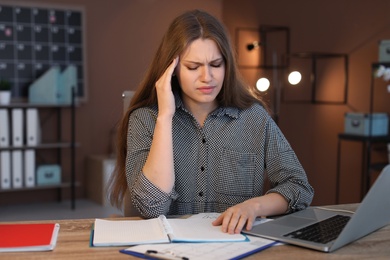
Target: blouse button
<point>202,168</point>
<point>203,140</point>
<point>200,193</point>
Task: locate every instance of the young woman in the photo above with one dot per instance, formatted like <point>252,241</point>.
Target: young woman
<point>196,139</point>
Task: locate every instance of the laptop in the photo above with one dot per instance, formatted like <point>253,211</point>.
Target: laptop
<point>309,228</point>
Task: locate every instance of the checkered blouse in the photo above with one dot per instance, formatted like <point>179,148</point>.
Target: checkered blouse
<point>221,164</point>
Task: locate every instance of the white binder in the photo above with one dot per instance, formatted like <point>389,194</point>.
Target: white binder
<point>17,169</point>
<point>29,168</point>
<point>33,131</point>
<point>5,169</point>
<point>4,128</point>
<point>17,126</point>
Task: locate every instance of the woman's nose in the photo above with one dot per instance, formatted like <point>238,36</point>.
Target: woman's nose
<point>206,74</point>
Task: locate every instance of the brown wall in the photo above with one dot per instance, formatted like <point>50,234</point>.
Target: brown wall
<point>350,27</point>
<point>122,36</point>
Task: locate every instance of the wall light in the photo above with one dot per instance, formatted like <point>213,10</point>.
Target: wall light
<point>262,84</point>
<point>294,77</point>
<point>253,45</point>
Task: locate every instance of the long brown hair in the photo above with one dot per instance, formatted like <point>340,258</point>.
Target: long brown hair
<point>184,29</point>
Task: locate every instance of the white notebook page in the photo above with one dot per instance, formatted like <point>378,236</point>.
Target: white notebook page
<point>108,232</point>
<point>199,230</point>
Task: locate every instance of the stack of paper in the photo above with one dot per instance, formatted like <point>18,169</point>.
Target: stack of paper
<point>200,251</point>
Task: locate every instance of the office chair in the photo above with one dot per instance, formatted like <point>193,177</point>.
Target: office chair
<point>127,95</point>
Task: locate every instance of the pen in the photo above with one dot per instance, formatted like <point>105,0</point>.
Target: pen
<point>168,255</point>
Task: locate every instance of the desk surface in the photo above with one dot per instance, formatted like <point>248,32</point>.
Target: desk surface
<point>73,243</point>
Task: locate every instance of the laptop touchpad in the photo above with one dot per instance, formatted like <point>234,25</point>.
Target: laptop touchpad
<point>294,221</point>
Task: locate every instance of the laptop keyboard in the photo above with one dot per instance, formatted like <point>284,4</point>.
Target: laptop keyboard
<point>323,231</point>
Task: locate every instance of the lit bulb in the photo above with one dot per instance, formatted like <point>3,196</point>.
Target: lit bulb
<point>294,77</point>
<point>262,84</point>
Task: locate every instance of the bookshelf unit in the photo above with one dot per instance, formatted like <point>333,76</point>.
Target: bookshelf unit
<point>368,144</point>
<point>54,114</point>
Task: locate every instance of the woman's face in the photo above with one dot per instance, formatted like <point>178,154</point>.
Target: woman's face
<point>200,72</point>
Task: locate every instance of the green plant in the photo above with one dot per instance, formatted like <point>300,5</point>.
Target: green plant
<point>5,85</point>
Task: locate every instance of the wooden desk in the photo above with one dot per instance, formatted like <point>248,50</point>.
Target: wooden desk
<point>73,243</point>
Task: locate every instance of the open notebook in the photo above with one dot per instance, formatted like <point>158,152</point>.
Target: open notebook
<point>158,230</point>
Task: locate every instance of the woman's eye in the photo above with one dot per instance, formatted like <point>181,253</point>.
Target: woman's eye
<point>192,68</point>
<point>216,65</point>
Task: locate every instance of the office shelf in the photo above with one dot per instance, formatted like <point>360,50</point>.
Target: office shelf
<point>41,146</point>
<point>57,145</point>
<point>63,185</point>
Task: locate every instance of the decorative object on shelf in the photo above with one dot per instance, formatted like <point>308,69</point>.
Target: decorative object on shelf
<point>49,174</point>
<point>383,72</point>
<point>375,124</point>
<point>54,86</point>
<point>5,92</point>
<point>384,51</point>
<point>378,70</point>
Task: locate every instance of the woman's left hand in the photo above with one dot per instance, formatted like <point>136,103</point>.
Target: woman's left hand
<point>235,218</point>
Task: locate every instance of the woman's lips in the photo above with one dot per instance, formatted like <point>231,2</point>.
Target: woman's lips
<point>206,90</point>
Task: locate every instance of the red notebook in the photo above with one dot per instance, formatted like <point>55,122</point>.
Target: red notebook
<point>28,237</point>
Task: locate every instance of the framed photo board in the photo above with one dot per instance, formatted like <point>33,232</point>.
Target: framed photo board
<point>35,38</point>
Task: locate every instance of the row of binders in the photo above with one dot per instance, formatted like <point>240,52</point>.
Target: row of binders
<point>18,128</point>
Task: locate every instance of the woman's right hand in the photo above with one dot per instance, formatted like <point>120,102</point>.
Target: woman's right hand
<point>165,98</point>
<point>159,166</point>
